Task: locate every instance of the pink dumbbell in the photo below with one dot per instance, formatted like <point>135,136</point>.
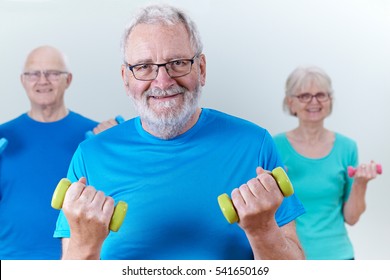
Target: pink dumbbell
<point>352,171</point>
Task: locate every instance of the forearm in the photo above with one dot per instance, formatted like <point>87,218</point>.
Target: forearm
<point>73,250</point>
<point>356,203</point>
<point>275,244</point>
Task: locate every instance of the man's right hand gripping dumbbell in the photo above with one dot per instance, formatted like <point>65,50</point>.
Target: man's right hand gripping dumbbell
<point>90,214</point>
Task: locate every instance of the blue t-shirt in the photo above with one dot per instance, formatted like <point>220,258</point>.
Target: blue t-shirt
<point>36,158</point>
<point>171,186</point>
<point>323,186</point>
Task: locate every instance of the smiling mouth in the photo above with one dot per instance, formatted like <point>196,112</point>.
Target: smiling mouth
<point>165,96</point>
<point>44,90</point>
<point>314,110</point>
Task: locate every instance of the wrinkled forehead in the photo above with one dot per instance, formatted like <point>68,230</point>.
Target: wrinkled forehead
<point>158,41</point>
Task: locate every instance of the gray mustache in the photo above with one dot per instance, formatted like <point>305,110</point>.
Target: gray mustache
<point>161,93</point>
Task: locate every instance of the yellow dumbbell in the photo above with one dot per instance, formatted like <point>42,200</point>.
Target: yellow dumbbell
<point>226,204</point>
<point>58,199</point>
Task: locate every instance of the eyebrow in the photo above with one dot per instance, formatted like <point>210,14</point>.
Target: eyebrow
<point>142,61</point>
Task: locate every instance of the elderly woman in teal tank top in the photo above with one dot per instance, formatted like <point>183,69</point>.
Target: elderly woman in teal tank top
<point>317,161</point>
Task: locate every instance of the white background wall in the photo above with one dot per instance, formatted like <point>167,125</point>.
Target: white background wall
<point>251,46</point>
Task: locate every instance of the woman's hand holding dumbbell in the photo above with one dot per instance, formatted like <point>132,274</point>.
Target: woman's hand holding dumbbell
<point>368,171</point>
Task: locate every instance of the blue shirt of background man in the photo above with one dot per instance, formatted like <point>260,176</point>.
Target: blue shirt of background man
<point>36,158</point>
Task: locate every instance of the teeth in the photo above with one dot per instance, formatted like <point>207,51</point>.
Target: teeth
<point>165,96</point>
<point>44,90</point>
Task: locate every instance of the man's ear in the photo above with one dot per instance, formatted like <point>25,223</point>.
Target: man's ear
<point>202,67</point>
<point>124,76</point>
<point>69,79</point>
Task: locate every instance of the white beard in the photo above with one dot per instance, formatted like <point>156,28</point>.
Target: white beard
<point>170,118</point>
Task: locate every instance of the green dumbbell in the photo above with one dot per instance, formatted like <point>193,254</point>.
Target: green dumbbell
<point>59,195</point>
<point>281,178</point>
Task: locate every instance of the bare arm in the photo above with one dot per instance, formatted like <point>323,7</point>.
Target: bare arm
<point>73,250</point>
<point>65,244</point>
<point>256,203</point>
<point>356,203</point>
<point>277,244</point>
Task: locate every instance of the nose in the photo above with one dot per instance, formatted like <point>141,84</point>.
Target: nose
<point>43,78</point>
<point>163,80</point>
<point>314,99</point>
